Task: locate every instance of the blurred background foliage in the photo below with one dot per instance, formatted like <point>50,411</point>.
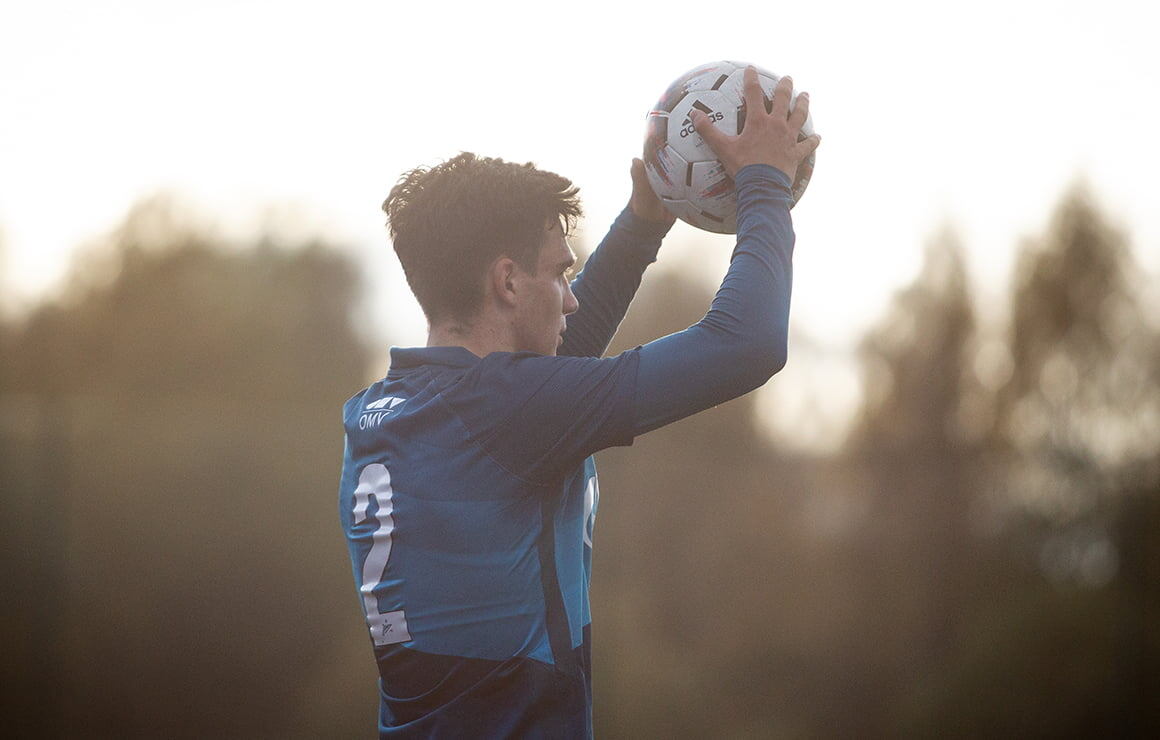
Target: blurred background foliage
<point>981,557</point>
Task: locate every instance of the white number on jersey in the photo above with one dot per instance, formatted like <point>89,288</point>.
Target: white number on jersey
<point>375,480</point>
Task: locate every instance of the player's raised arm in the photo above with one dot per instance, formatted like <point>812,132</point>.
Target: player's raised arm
<point>613,272</point>
<point>741,341</point>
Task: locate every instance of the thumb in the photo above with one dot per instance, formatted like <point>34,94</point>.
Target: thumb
<point>637,170</point>
<point>712,135</point>
<point>640,183</point>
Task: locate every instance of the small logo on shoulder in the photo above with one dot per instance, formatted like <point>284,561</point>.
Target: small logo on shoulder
<point>375,411</point>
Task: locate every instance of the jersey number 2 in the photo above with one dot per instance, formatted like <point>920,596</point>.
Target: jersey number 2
<point>387,628</point>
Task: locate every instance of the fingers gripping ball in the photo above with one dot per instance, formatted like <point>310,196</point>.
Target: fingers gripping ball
<point>681,168</point>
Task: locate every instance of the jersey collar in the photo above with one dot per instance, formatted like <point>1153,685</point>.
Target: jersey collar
<point>405,359</point>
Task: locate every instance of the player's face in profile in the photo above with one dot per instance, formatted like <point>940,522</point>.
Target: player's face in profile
<point>549,296</point>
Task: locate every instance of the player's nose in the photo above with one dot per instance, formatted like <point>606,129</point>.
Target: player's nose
<point>571,304</point>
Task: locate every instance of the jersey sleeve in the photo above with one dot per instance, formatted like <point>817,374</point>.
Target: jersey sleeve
<point>741,342</point>
<point>538,416</point>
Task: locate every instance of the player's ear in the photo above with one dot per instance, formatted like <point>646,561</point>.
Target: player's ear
<point>501,277</point>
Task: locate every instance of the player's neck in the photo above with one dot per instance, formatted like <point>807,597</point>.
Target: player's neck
<point>481,338</point>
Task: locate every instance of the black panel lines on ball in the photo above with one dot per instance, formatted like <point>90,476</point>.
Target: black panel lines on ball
<point>689,175</point>
<point>702,107</point>
<point>720,81</point>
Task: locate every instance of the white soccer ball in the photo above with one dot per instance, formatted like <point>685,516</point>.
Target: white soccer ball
<point>683,170</point>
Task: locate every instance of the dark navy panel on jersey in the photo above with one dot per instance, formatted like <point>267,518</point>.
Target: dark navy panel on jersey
<point>469,494</point>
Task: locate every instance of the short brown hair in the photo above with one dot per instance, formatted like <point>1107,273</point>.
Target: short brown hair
<point>448,224</point>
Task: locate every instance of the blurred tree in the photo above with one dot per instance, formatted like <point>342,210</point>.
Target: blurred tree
<point>1081,411</point>
<point>715,605</point>
<point>29,663</point>
<point>919,458</point>
<point>1081,418</point>
<point>718,579</point>
<point>180,497</point>
<point>1072,649</point>
<point>916,361</point>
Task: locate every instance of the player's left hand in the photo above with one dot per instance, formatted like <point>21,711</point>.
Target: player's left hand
<point>644,202</point>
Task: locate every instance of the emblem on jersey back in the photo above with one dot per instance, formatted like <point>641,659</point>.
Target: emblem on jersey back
<point>375,411</point>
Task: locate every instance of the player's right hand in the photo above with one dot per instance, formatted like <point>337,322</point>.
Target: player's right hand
<point>767,138</point>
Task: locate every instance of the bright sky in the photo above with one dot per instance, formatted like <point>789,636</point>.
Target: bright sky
<point>978,114</point>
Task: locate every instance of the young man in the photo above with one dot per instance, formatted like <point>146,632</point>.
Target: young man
<point>468,491</point>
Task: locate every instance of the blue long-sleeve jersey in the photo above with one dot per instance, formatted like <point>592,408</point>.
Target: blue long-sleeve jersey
<point>469,494</point>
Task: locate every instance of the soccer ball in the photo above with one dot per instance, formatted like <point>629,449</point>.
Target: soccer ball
<point>681,167</point>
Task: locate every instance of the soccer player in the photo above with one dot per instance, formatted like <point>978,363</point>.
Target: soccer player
<point>468,491</point>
